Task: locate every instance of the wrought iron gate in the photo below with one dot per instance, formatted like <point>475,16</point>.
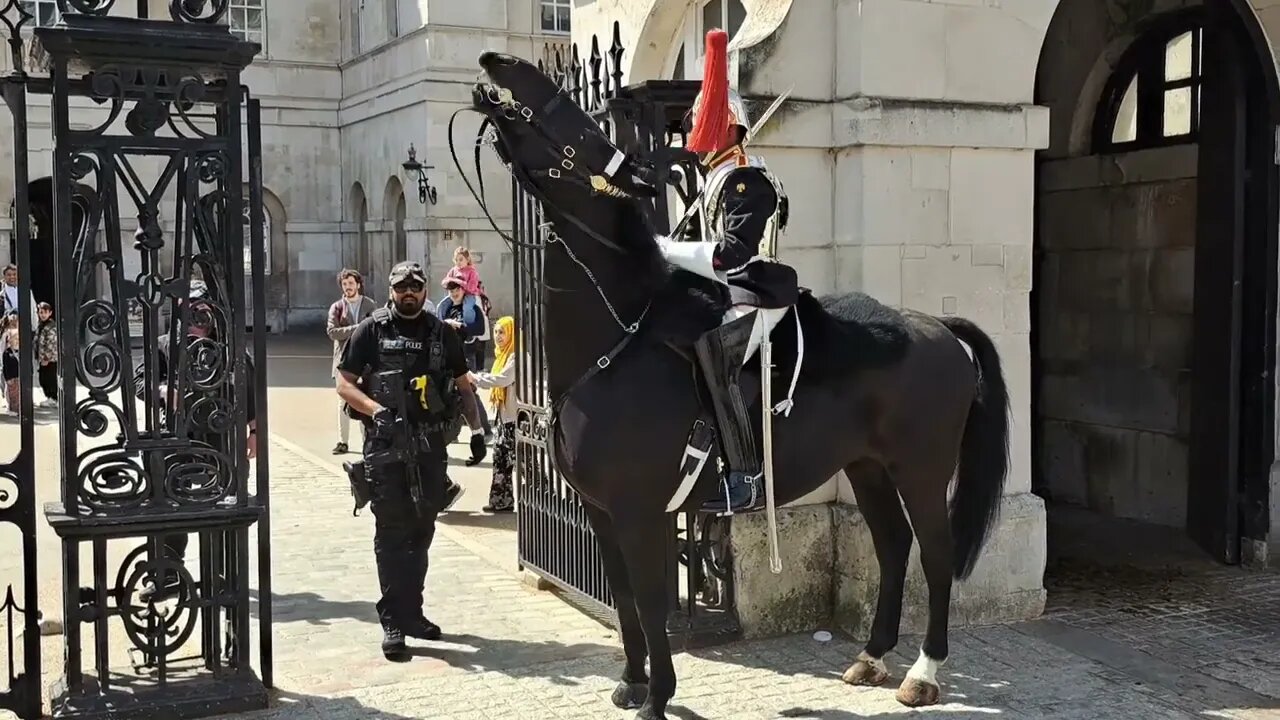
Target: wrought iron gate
<point>554,536</point>
<point>153,445</point>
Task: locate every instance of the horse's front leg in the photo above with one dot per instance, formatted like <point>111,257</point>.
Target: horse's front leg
<point>633,689</point>
<point>644,542</point>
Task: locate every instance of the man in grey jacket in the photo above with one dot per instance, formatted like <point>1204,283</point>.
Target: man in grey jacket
<point>344,315</point>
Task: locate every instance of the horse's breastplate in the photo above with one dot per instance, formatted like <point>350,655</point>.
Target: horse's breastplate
<point>713,209</point>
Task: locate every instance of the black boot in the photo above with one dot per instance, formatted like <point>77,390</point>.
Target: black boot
<point>393,647</point>
<point>720,355</point>
<point>452,492</point>
<point>423,629</point>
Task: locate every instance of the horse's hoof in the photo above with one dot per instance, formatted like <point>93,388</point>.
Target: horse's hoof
<point>865,673</point>
<point>917,693</point>
<point>630,696</point>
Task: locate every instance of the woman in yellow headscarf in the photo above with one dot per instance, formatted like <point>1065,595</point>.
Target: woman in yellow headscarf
<point>501,383</point>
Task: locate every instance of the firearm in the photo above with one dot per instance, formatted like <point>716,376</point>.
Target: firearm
<point>361,488</point>
<point>402,445</point>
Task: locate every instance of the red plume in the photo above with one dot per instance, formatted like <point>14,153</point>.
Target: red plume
<point>711,121</point>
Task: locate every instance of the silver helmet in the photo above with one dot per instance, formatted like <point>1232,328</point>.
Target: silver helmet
<point>737,110</point>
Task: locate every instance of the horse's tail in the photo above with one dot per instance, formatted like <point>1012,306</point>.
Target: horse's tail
<point>984,450</point>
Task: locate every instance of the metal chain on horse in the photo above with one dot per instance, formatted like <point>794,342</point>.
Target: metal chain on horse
<point>553,238</point>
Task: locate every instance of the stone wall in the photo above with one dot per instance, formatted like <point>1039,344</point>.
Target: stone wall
<point>1115,294</point>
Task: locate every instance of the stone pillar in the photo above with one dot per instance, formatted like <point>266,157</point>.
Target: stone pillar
<point>909,162</point>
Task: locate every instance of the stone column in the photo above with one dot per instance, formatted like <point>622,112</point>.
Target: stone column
<point>909,162</point>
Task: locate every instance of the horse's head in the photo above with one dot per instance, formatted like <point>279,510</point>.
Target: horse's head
<point>550,142</point>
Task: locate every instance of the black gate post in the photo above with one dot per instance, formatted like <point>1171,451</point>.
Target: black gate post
<point>153,446</point>
<point>21,690</point>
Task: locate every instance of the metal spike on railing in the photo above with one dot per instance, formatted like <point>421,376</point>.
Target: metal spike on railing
<point>594,62</point>
<point>560,73</point>
<point>615,58</point>
<point>575,76</point>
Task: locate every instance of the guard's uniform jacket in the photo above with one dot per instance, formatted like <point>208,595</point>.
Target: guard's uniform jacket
<point>743,209</point>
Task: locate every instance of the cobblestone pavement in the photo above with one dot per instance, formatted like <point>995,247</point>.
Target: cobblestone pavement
<point>1142,649</point>
<point>516,653</point>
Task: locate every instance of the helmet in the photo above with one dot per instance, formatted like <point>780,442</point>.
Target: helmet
<point>737,110</point>
<point>717,109</point>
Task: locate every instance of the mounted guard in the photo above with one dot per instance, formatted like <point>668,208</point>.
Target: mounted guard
<point>742,208</point>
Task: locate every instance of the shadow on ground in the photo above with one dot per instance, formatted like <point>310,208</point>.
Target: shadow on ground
<point>491,521</point>
<point>293,706</point>
<point>521,658</point>
<point>314,609</point>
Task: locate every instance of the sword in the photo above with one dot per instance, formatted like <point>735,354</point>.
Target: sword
<point>751,135</point>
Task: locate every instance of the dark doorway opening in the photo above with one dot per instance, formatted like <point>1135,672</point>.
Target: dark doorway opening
<point>1153,330</point>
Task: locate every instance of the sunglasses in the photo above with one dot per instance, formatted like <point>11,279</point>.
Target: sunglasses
<point>408,287</point>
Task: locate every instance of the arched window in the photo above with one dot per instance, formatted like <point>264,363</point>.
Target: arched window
<point>1153,99</point>
<point>726,14</point>
<point>248,240</point>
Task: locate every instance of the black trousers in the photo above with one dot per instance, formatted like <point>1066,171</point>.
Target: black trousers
<point>49,380</point>
<point>404,528</point>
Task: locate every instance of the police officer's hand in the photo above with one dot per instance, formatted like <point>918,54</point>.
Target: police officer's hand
<point>384,418</point>
<point>478,449</point>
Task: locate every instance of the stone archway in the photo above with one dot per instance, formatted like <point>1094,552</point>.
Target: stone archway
<point>358,207</point>
<point>1141,350</point>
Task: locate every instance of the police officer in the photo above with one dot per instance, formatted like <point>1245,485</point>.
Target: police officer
<point>743,207</point>
<point>404,373</point>
<point>204,331</point>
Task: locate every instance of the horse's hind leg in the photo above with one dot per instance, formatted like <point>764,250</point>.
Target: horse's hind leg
<point>880,507</point>
<point>925,495</point>
<point>634,686</point>
<point>645,542</point>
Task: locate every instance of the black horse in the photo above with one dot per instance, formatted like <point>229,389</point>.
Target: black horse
<point>900,400</point>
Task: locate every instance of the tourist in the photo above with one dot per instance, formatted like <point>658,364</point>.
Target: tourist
<point>47,354</point>
<point>344,315</point>
<point>500,381</point>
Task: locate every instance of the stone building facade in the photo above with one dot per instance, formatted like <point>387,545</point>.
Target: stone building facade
<point>346,88</point>
<point>1036,167</point>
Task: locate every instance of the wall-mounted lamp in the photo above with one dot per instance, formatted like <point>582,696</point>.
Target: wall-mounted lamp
<point>425,191</point>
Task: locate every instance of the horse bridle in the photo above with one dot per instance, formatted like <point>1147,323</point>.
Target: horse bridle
<point>569,168</point>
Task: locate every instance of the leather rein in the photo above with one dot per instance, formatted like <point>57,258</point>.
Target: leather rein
<point>565,168</point>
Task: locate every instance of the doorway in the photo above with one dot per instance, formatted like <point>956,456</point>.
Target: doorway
<point>1154,294</point>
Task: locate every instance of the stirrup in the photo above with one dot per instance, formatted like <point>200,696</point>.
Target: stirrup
<point>752,502</point>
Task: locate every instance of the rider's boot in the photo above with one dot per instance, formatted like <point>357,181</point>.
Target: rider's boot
<point>720,354</point>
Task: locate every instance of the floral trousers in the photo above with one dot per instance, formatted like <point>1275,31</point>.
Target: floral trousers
<point>501,496</point>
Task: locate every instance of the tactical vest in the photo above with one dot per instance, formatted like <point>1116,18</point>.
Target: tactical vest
<point>398,352</point>
<point>713,207</point>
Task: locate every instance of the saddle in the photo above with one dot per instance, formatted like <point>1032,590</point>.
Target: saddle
<point>705,437</point>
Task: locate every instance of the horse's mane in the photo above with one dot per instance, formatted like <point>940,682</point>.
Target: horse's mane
<point>684,305</point>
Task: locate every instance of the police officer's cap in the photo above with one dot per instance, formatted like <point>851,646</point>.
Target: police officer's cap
<point>407,271</point>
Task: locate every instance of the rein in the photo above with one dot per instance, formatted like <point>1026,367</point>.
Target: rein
<point>569,170</point>
<point>513,109</point>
